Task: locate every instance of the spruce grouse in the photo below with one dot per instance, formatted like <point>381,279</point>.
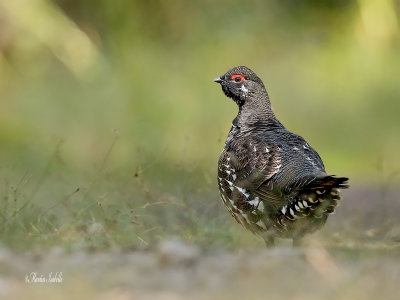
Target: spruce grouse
<point>270,179</point>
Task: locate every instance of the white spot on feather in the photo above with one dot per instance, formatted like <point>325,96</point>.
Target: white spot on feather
<point>243,191</point>
<point>244,89</point>
<point>291,212</point>
<point>310,160</point>
<point>255,201</point>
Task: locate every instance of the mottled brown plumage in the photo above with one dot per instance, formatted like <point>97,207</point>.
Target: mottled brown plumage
<point>271,180</point>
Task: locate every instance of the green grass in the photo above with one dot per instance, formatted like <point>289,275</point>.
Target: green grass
<point>102,208</point>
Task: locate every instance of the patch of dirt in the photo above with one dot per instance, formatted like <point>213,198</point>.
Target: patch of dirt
<point>177,270</point>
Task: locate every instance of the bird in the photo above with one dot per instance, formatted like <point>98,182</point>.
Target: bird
<point>271,180</point>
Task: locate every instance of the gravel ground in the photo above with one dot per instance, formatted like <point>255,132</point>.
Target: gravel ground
<point>176,270</point>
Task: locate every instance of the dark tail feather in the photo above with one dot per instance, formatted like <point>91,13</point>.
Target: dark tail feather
<point>329,181</point>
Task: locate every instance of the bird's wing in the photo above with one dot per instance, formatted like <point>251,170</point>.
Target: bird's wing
<point>245,170</point>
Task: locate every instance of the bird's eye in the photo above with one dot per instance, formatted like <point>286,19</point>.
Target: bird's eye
<point>238,78</point>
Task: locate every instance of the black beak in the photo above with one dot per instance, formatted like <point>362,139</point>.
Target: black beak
<point>218,79</point>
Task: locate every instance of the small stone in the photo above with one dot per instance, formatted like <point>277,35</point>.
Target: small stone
<point>177,252</point>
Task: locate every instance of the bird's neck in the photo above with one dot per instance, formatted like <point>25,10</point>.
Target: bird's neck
<point>255,111</point>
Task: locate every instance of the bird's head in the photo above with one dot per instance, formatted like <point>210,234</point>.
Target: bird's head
<point>239,83</point>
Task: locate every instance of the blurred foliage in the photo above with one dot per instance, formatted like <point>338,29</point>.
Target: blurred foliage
<point>79,76</point>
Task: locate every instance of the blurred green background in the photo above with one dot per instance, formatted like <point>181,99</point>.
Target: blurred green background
<point>111,126</point>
